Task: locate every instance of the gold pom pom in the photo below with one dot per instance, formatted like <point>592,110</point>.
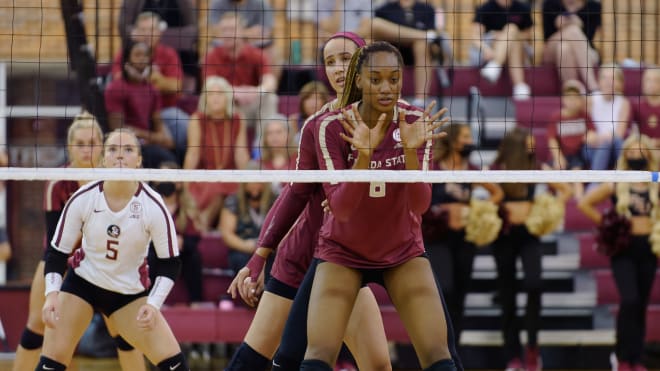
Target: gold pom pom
<point>546,215</point>
<point>483,224</point>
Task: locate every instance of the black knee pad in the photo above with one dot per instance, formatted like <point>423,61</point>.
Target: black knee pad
<point>246,358</point>
<point>122,344</point>
<point>30,340</point>
<point>174,363</point>
<point>314,365</point>
<point>444,365</point>
<point>281,363</point>
<point>46,363</point>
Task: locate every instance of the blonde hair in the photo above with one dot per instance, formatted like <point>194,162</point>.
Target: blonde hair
<point>84,120</point>
<point>222,85</point>
<point>266,201</point>
<point>623,189</point>
<point>266,150</point>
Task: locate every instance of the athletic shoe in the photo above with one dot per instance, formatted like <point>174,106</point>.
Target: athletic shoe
<point>533,359</point>
<point>491,71</point>
<point>515,365</point>
<point>521,91</point>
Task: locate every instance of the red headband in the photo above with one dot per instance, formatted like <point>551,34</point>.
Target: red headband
<point>351,36</point>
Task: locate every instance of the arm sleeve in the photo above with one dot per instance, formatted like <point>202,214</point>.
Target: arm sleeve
<point>163,232</point>
<point>52,217</point>
<point>294,198</point>
<point>332,153</point>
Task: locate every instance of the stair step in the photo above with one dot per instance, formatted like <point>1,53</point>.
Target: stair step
<point>546,337</point>
<point>548,300</point>
<point>563,262</point>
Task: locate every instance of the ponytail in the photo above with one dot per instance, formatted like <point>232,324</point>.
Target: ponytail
<point>351,92</point>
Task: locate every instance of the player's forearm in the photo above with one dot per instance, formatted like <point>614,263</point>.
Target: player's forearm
<point>281,217</point>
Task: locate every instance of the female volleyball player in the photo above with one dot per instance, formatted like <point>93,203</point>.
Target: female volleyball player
<point>635,265</point>
<point>295,253</point>
<point>373,233</point>
<point>84,147</point>
<point>516,152</point>
<point>115,222</point>
<point>450,254</point>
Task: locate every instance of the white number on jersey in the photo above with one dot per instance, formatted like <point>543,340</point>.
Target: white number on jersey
<point>377,189</point>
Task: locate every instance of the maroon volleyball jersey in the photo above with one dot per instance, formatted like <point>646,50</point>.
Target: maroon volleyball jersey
<point>372,225</point>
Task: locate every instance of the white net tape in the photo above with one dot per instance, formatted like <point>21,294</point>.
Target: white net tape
<point>339,176</point>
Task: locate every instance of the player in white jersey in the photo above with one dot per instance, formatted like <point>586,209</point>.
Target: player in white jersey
<point>115,222</point>
<point>84,149</point>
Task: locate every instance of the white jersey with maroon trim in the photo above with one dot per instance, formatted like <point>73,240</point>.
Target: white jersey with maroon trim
<point>115,243</point>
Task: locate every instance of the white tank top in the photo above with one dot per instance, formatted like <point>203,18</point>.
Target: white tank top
<point>605,113</point>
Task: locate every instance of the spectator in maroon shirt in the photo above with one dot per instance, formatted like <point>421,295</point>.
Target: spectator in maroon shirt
<point>373,233</point>
<point>646,112</point>
<point>134,102</point>
<point>571,130</point>
<point>166,76</point>
<point>247,69</point>
<point>217,140</point>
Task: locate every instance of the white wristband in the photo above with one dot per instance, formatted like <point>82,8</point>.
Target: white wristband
<point>53,282</point>
<point>161,288</point>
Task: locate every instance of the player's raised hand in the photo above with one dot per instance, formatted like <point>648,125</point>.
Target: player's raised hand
<point>360,135</point>
<point>49,312</point>
<point>423,129</point>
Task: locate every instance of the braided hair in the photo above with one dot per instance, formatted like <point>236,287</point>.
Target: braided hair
<point>352,93</point>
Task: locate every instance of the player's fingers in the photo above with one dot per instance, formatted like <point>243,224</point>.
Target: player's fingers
<point>348,127</point>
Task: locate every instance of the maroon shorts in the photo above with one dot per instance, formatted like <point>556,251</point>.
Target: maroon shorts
<point>295,253</point>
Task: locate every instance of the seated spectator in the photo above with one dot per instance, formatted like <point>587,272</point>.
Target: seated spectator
<point>610,111</point>
<point>501,30</point>
<point>278,149</point>
<point>258,17</point>
<point>571,131</point>
<point>242,216</point>
<point>246,68</point>
<point>132,101</point>
<point>184,212</point>
<point>569,27</point>
<point>312,97</point>
<point>413,15</point>
<point>217,139</point>
<point>646,110</point>
<point>166,76</point>
<point>179,30</point>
